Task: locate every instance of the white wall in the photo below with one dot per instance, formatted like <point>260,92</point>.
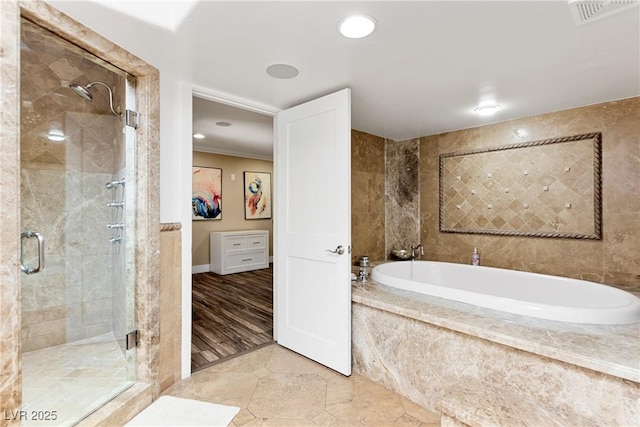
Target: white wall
<point>163,50</point>
<point>160,49</point>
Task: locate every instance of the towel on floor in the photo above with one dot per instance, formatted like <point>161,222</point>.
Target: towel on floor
<point>176,411</point>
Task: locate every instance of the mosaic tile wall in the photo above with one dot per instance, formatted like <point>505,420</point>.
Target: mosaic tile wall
<point>613,260</point>
<point>510,191</point>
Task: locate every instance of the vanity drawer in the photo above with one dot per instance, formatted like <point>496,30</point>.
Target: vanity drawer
<point>245,259</point>
<point>258,241</point>
<point>235,243</point>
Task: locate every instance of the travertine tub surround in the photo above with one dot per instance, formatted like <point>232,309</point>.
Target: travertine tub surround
<point>170,304</point>
<point>147,203</point>
<point>423,347</point>
<point>612,260</point>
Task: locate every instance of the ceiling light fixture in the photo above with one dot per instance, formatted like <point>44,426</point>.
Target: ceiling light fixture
<point>223,124</point>
<point>56,136</point>
<point>486,110</point>
<point>282,71</point>
<point>198,136</point>
<point>357,26</point>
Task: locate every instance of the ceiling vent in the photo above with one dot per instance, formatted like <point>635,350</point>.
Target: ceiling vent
<point>585,11</point>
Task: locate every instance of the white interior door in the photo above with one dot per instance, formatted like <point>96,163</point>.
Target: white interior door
<point>313,217</point>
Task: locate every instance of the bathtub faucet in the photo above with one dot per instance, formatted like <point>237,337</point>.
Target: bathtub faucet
<point>416,250</point>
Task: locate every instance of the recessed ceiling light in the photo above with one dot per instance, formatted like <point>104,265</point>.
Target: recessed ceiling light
<point>357,26</point>
<point>486,110</point>
<point>223,124</point>
<point>282,71</point>
<point>198,136</point>
<point>56,136</point>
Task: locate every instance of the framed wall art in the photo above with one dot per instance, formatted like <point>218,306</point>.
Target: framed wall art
<point>257,195</point>
<point>206,195</point>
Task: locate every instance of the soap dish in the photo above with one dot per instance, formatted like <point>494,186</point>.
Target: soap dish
<point>401,253</point>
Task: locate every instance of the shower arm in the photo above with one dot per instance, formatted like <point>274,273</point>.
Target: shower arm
<point>110,95</point>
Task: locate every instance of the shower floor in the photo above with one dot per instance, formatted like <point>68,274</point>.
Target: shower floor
<point>72,379</point>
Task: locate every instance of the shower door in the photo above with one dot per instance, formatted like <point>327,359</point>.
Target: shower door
<point>77,220</point>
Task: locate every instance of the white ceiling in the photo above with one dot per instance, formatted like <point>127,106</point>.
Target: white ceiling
<point>424,69</point>
<point>250,134</point>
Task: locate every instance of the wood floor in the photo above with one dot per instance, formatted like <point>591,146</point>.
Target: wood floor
<point>231,315</point>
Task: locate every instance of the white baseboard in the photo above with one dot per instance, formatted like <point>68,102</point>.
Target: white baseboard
<point>204,268</point>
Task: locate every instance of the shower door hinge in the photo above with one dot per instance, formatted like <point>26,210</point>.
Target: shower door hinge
<point>132,339</point>
<point>131,119</point>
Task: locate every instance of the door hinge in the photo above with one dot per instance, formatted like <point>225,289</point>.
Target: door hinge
<point>131,119</point>
<point>132,339</point>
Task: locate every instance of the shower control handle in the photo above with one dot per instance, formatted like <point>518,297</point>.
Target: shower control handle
<point>31,270</point>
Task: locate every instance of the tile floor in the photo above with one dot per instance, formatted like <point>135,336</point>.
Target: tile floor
<point>72,379</point>
<point>277,387</point>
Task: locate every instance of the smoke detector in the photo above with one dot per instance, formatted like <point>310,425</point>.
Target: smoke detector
<point>585,11</point>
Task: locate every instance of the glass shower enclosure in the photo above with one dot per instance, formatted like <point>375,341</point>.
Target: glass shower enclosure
<point>77,199</point>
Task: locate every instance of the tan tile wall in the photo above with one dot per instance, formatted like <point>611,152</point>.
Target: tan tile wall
<point>62,190</point>
<point>367,196</point>
<point>10,345</point>
<point>170,306</point>
<point>613,260</point>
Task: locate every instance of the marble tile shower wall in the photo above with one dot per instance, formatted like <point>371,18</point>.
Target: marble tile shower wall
<point>63,191</point>
<point>612,260</point>
<point>402,194</point>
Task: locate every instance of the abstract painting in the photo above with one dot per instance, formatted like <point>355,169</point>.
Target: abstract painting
<point>206,196</point>
<point>257,195</point>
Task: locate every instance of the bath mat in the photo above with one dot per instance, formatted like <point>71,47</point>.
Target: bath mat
<point>175,411</point>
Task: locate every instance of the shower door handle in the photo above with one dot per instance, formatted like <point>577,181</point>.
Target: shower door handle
<point>29,234</point>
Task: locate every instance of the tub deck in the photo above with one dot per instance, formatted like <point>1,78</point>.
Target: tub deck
<point>483,367</point>
<point>613,350</point>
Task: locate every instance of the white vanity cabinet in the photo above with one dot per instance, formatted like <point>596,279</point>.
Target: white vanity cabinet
<point>237,251</point>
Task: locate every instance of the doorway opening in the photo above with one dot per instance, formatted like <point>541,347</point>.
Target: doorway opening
<point>232,198</point>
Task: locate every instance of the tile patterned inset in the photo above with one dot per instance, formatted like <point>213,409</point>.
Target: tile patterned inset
<point>525,189</point>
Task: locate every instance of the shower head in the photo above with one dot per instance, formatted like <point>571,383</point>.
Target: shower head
<point>83,91</point>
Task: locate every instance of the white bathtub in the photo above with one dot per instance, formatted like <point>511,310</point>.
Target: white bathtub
<point>528,294</point>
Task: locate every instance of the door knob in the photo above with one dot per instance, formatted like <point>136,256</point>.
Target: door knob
<point>339,250</point>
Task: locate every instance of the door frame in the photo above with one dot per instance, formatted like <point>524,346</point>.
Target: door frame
<point>187,93</point>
